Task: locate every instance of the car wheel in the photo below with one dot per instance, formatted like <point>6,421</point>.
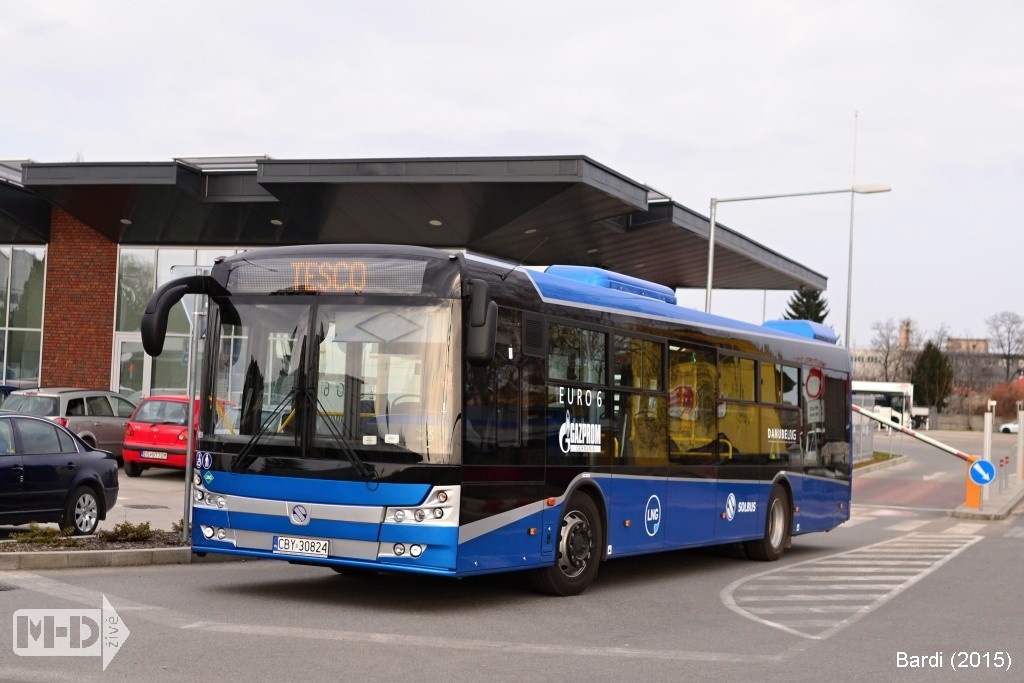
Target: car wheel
<point>82,513</point>
<point>132,468</point>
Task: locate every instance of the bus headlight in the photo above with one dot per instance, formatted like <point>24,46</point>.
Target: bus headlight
<point>207,531</point>
<point>399,549</point>
<point>416,551</point>
<point>399,515</point>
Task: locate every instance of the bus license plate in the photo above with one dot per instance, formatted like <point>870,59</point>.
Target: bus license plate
<point>153,455</point>
<point>312,547</point>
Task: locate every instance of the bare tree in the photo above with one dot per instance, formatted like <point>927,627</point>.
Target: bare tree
<point>886,344</point>
<point>1006,330</point>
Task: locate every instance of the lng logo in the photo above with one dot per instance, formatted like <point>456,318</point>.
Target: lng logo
<point>69,633</point>
<point>652,515</point>
<point>579,437</point>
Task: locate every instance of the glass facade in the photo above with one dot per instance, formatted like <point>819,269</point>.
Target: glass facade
<point>140,271</point>
<point>22,286</point>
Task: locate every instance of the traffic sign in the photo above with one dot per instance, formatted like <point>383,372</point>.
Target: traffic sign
<point>982,472</point>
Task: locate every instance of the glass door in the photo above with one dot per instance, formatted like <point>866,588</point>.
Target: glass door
<point>131,369</point>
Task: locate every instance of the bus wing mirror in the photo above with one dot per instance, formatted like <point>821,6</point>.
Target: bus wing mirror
<point>483,325</point>
<point>154,319</point>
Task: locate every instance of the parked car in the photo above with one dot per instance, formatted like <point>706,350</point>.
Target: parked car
<point>5,391</point>
<point>47,474</point>
<point>97,416</point>
<point>157,433</point>
<point>1009,427</point>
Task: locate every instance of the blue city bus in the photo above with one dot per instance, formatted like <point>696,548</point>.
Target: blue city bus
<point>387,408</point>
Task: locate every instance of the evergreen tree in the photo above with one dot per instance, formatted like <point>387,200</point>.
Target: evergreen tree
<point>807,304</point>
<point>933,376</point>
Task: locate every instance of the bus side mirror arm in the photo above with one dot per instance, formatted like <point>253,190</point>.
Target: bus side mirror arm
<point>483,325</point>
<point>154,319</point>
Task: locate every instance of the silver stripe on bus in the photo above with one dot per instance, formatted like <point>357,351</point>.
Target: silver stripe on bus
<point>480,527</point>
<point>364,514</point>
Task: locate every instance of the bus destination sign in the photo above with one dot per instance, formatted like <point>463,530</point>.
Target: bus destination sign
<point>328,276</point>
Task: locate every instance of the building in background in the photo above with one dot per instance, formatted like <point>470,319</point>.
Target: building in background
<point>84,245</point>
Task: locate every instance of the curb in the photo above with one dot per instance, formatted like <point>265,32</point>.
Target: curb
<point>885,464</point>
<point>1002,512</point>
<point>78,559</point>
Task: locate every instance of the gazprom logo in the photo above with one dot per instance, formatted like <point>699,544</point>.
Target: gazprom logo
<point>652,515</point>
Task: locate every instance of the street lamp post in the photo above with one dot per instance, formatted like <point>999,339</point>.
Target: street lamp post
<point>869,188</point>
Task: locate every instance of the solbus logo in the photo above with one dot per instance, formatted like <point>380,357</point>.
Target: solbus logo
<point>69,633</point>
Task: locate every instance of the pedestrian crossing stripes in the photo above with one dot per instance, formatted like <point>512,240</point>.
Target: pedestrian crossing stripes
<point>817,598</point>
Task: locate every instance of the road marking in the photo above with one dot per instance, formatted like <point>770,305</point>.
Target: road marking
<point>934,475</point>
<point>788,598</point>
<point>909,525</point>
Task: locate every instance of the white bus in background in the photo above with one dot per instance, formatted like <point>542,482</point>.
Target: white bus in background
<point>892,400</point>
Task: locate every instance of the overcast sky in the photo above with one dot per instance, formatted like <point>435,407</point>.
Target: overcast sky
<point>696,99</point>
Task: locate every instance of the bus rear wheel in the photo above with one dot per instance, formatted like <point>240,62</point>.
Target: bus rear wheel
<point>578,550</point>
<point>776,529</point>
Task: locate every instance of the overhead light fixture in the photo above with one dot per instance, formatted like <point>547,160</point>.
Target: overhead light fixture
<point>436,223</point>
<point>530,231</point>
<point>126,221</point>
<point>276,221</point>
<point>592,251</point>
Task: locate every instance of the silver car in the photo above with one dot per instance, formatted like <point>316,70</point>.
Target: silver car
<point>99,417</point>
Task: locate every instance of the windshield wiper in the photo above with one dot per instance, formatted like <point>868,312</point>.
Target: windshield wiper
<point>245,455</point>
<point>365,470</point>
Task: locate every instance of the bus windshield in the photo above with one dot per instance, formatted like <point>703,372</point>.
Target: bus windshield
<point>307,377</point>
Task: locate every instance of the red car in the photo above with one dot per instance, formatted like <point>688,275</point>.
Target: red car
<point>157,434</point>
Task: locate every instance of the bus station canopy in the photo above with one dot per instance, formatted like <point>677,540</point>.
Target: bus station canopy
<point>530,210</point>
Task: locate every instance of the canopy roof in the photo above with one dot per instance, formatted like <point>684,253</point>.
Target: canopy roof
<point>535,210</point>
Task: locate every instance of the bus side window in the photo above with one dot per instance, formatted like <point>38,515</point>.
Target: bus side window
<point>692,399</point>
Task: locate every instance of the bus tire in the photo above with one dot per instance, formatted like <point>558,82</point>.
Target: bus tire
<point>578,550</point>
<point>776,528</point>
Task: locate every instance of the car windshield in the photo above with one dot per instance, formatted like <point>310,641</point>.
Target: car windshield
<point>161,412</point>
<point>46,406</point>
<point>337,381</point>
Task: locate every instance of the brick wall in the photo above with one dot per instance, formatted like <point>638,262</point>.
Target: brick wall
<point>78,323</point>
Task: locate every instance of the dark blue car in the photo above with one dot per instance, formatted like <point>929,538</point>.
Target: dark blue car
<point>47,474</point>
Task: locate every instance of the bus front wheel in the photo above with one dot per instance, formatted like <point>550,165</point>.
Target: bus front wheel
<point>776,528</point>
<point>578,550</point>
